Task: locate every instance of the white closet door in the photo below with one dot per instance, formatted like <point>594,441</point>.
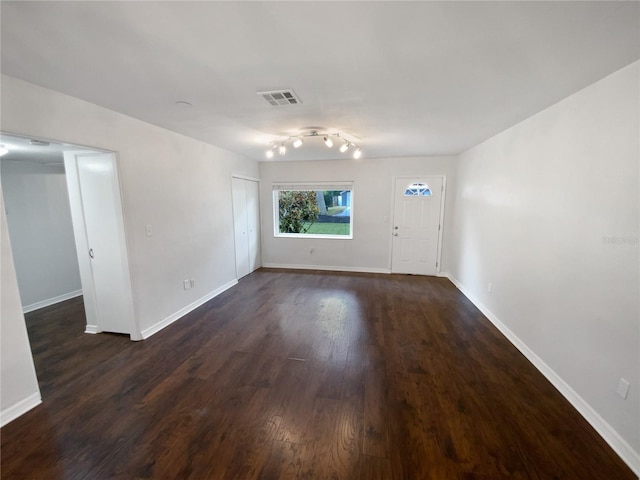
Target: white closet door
<point>240,226</point>
<point>246,225</point>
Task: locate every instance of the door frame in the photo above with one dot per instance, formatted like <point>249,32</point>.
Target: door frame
<point>393,212</point>
<point>82,247</point>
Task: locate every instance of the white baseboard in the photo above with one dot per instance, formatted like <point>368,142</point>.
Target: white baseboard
<point>327,268</point>
<point>51,301</point>
<point>23,406</point>
<point>146,333</point>
<point>611,436</point>
<point>92,329</point>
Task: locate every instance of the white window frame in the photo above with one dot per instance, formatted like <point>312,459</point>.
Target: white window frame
<point>309,186</point>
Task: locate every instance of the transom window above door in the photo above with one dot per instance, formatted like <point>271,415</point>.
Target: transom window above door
<point>417,190</point>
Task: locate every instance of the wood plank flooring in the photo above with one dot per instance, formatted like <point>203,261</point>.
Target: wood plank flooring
<point>300,375</point>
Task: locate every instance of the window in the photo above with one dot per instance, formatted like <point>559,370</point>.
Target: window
<point>322,210</point>
<point>417,190</point>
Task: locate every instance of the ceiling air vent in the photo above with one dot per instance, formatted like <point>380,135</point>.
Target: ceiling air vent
<point>278,98</point>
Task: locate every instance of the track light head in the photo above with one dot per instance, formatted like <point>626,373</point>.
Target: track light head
<point>327,141</point>
<point>282,149</point>
<point>344,147</point>
<point>297,143</point>
<point>357,154</point>
<point>269,153</point>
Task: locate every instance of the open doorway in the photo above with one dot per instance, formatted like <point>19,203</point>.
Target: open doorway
<point>50,193</point>
<point>38,214</point>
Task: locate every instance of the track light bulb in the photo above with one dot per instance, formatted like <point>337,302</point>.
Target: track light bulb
<point>297,142</point>
<point>357,154</point>
<point>328,142</point>
<point>344,147</point>
<point>282,149</point>
<point>269,153</point>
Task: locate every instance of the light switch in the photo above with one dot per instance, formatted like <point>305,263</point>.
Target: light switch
<point>623,388</point>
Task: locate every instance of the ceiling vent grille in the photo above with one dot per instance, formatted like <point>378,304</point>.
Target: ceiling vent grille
<point>278,98</point>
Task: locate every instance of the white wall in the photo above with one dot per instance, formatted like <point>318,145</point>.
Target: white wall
<point>180,186</point>
<point>548,212</point>
<point>370,248</point>
<point>19,390</point>
<point>37,207</point>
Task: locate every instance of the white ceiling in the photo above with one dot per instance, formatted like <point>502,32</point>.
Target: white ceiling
<point>399,78</point>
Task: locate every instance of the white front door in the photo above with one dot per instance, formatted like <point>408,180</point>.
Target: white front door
<point>416,225</point>
<point>96,212</point>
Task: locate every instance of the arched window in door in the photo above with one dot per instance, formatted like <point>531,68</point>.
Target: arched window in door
<point>417,190</point>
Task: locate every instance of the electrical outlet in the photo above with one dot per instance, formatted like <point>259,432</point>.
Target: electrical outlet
<point>192,282</point>
<point>623,388</point>
<point>186,284</point>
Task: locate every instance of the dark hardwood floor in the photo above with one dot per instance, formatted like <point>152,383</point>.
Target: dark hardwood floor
<point>300,375</point>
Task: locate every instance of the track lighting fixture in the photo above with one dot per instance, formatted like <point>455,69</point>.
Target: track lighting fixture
<point>297,141</point>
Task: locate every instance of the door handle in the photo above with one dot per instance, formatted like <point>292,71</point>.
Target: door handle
<point>91,252</point>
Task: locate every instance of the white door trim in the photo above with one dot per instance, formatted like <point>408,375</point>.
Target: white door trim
<point>245,177</point>
<point>441,229</point>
